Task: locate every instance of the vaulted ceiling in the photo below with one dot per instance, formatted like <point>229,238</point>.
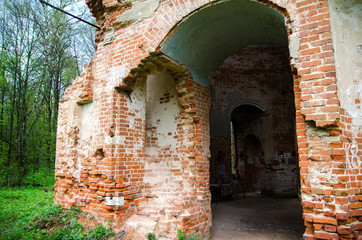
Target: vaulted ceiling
<point>204,39</point>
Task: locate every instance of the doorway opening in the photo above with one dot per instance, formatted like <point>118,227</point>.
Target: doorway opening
<point>254,155</point>
<point>247,147</point>
<point>252,95</point>
<point>239,49</point>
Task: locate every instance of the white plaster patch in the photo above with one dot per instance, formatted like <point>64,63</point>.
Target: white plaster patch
<point>74,114</point>
<point>152,151</point>
<point>162,108</point>
<point>186,185</point>
<point>138,100</point>
<point>137,146</point>
<point>316,171</point>
<point>137,221</point>
<point>332,139</point>
<point>108,36</point>
<point>346,27</point>
<point>140,10</point>
<point>306,197</point>
<point>131,123</point>
<point>83,148</point>
<point>86,129</point>
<point>353,159</point>
<point>114,201</point>
<point>114,77</point>
<point>175,164</point>
<point>114,140</point>
<point>294,47</point>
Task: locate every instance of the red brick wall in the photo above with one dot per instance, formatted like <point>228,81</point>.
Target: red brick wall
<point>134,163</point>
<point>95,165</point>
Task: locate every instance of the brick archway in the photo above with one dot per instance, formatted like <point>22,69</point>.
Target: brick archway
<point>98,164</point>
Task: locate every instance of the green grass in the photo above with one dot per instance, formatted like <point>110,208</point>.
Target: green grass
<point>29,213</point>
<point>182,236</point>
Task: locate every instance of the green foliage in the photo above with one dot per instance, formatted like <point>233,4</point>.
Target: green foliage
<point>193,237</point>
<point>74,231</point>
<point>19,206</point>
<point>151,236</point>
<point>182,236</point>
<point>41,52</point>
<point>30,213</point>
<point>44,177</point>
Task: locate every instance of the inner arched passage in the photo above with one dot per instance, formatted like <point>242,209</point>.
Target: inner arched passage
<point>247,146</point>
<point>239,50</point>
<point>254,141</point>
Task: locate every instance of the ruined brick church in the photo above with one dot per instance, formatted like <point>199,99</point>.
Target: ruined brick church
<point>182,94</point>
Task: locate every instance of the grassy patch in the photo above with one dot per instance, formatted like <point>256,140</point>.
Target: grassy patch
<point>180,236</point>
<point>29,213</point>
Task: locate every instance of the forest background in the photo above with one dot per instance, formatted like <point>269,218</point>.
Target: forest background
<point>41,52</point>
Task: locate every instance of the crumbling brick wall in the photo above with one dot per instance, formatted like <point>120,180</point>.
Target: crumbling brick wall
<point>108,159</point>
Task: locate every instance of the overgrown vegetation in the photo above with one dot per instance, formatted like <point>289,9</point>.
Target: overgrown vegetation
<point>29,213</point>
<point>151,236</point>
<point>41,52</point>
<point>180,236</point>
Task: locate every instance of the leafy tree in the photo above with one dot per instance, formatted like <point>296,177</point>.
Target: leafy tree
<point>41,51</point>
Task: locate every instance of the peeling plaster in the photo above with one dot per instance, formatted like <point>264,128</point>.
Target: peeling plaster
<point>346,27</point>
<point>294,43</point>
<point>114,76</point>
<point>162,113</point>
<point>140,10</point>
<point>86,129</point>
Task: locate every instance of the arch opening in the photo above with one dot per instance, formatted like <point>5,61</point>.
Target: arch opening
<point>239,50</point>
<point>204,39</point>
<point>247,146</point>
<point>254,144</point>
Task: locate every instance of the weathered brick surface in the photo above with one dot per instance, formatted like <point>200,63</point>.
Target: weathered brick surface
<point>103,129</point>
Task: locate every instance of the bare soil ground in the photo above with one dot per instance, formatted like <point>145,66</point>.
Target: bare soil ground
<point>257,218</point>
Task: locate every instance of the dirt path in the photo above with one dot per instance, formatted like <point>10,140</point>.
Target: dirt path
<point>257,218</point>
